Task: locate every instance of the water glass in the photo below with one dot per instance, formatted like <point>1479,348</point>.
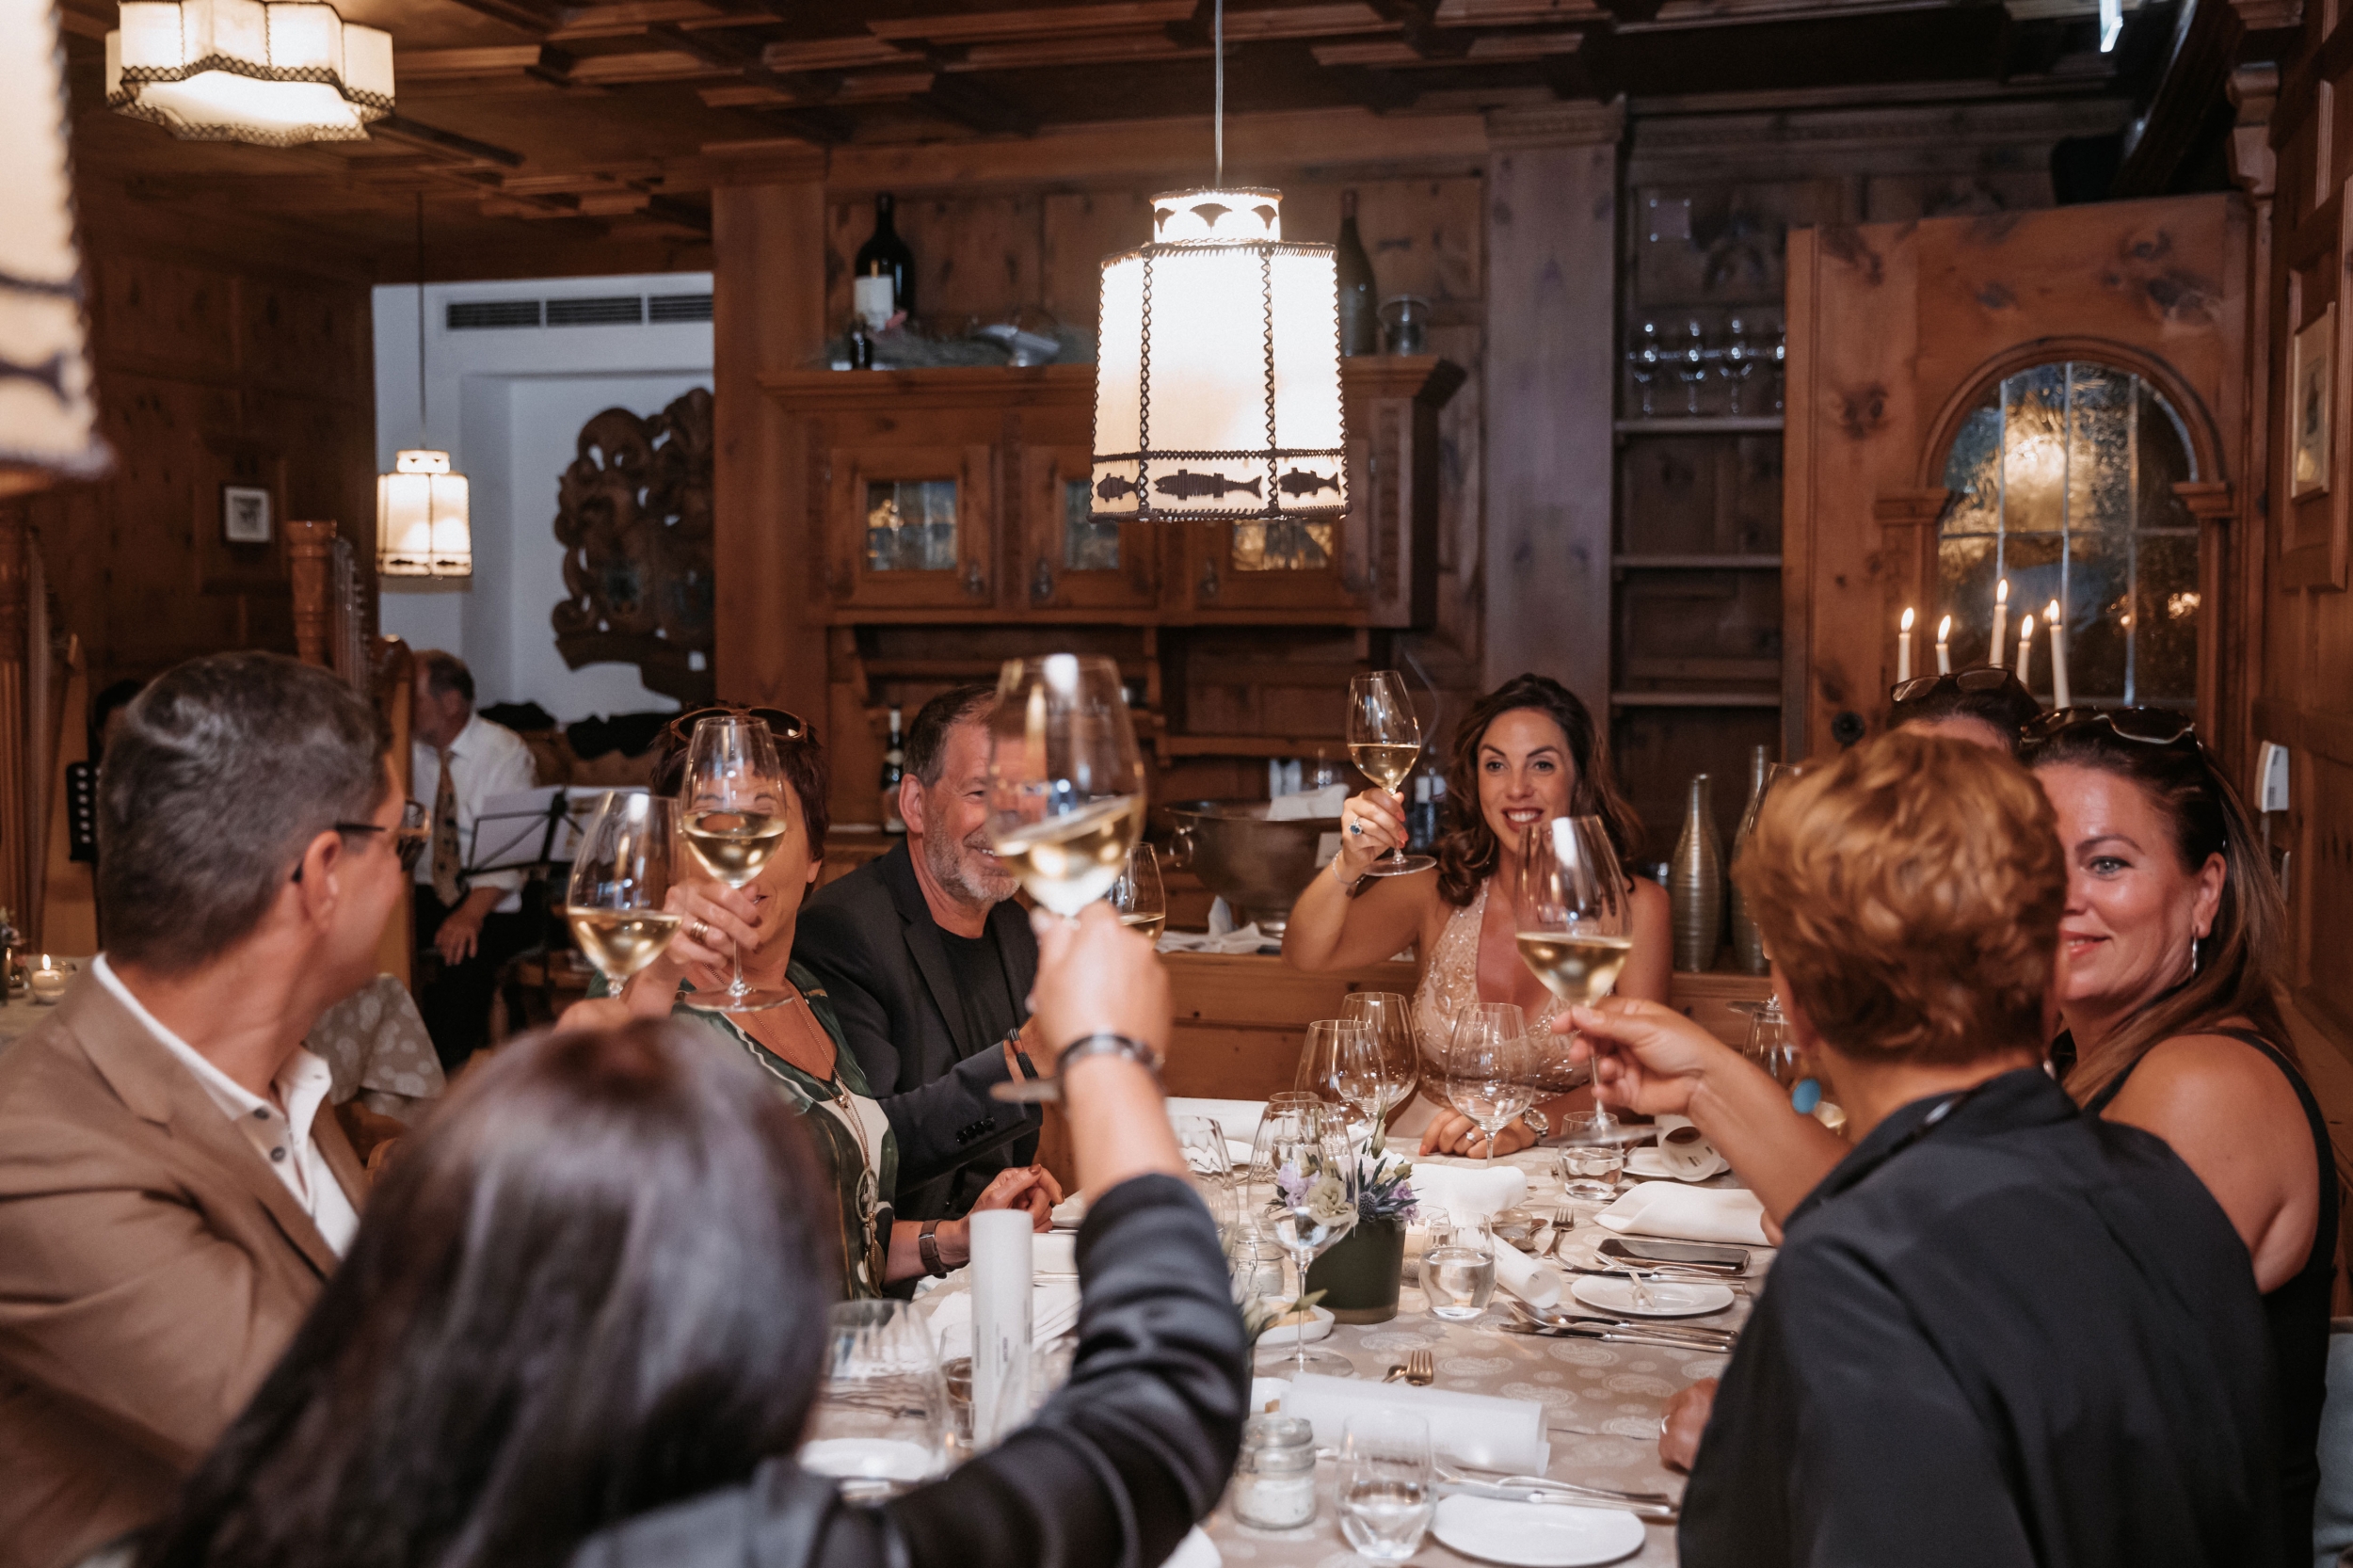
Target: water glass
<point>880,1423</point>
<point>1388,1490</point>
<point>1458,1271</point>
<point>1211,1167</point>
<point>1591,1169</point>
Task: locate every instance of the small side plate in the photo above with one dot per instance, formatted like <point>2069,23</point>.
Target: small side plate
<point>1535,1535</point>
<point>1670,1298</point>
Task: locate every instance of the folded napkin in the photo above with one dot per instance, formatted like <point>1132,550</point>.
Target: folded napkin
<point>1467,1193</point>
<point>1477,1430</point>
<point>1325,802</point>
<point>1069,1214</point>
<point>1195,1550</point>
<point>1053,1312</point>
<point>1237,1119</point>
<point>1730,1215</point>
<point>1524,1277</point>
<point>1055,1252</point>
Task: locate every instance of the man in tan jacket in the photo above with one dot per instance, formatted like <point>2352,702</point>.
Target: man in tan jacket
<point>173,1185</point>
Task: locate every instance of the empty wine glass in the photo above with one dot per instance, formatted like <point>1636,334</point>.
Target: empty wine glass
<point>1137,896</point>
<point>1314,1205</point>
<point>1390,1017</point>
<point>1278,1125</point>
<point>1740,361</point>
<point>1384,737</point>
<point>1338,1067</point>
<point>879,1424</point>
<point>1645,357</point>
<point>1490,1069</point>
<point>1210,1166</point>
<point>731,815</point>
<point>1388,1490</point>
<point>1690,361</point>
<point>620,879</point>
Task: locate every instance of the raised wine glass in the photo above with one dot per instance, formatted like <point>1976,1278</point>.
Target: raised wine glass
<point>1065,790</point>
<point>1490,1067</point>
<point>621,878</point>
<point>1384,737</point>
<point>1142,905</point>
<point>1390,1019</point>
<point>1573,923</point>
<point>731,814</point>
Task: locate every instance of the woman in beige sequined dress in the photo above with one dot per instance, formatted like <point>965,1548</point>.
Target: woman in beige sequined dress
<point>1526,752</point>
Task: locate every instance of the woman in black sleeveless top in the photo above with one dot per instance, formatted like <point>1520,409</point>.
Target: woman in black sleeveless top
<point>2172,919</point>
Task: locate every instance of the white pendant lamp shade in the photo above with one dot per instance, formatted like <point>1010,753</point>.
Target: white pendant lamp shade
<point>48,420</point>
<point>1217,391</point>
<point>273,73</point>
<point>422,528</point>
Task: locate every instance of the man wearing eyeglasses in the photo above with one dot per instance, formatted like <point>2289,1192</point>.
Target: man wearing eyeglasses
<point>474,921</point>
<point>173,1190</point>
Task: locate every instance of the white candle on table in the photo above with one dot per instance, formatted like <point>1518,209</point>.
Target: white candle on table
<point>2059,694</point>
<point>1903,648</point>
<point>1000,1321</point>
<point>2025,646</point>
<point>1944,645</point>
<point>2001,619</point>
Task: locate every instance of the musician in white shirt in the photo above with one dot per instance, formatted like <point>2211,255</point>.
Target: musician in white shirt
<point>460,760</point>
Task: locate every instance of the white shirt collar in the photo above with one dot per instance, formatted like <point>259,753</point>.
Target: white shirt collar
<point>302,1083</point>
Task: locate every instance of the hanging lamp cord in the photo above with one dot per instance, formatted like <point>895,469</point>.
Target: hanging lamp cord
<point>422,439</point>
<point>1217,43</point>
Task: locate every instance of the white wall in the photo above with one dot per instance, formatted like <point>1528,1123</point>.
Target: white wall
<point>507,403</point>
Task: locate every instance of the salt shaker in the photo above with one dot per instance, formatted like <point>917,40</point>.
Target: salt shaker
<point>1274,1480</point>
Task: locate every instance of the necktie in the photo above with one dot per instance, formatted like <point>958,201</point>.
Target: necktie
<point>446,885</point>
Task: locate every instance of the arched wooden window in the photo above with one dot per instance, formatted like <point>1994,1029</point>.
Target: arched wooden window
<point>2062,481</point>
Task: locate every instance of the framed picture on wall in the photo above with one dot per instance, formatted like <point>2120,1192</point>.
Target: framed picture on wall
<point>245,517</point>
<point>2311,383</point>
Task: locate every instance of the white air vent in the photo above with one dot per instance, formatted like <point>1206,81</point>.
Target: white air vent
<point>612,310</point>
<point>618,309</point>
<point>678,307</point>
<point>472,315</point>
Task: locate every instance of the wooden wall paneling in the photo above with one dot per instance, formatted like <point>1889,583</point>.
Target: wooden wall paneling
<point>18,762</point>
<point>67,919</point>
<point>768,316</point>
<point>1081,229</point>
<point>1551,373</point>
<point>975,256</point>
<point>2254,92</point>
<point>2327,868</point>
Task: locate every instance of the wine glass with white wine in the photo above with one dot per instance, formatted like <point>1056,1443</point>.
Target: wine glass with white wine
<point>620,879</point>
<point>731,815</point>
<point>1138,897</point>
<point>1066,789</point>
<point>1574,929</point>
<point>1384,737</point>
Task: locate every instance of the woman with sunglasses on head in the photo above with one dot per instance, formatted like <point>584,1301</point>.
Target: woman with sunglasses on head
<point>1526,752</point>
<point>872,1146</point>
<point>2171,1023</point>
<point>1987,706</point>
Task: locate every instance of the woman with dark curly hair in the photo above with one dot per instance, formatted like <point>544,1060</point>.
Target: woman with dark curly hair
<point>1526,752</point>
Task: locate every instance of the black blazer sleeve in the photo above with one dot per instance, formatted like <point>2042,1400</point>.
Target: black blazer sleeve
<point>1110,1474</point>
<point>948,1120</point>
<point>839,943</point>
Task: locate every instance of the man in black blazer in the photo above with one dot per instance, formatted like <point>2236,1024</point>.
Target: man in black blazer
<point>927,956</point>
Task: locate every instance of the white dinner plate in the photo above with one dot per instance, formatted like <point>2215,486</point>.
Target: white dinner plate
<point>1289,1335</point>
<point>1535,1535</point>
<point>1651,1166</point>
<point>1669,1298</point>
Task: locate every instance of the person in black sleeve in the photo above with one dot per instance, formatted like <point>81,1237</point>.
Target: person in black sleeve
<point>927,956</point>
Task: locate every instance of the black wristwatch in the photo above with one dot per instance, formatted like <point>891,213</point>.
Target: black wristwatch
<point>927,1248</point>
<point>1105,1043</point>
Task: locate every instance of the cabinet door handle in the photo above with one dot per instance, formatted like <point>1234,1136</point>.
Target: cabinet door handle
<point>974,583</point>
<point>1041,581</point>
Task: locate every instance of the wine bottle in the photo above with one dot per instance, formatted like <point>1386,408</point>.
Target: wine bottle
<point>1695,887</point>
<point>894,768</point>
<point>1360,318</point>
<point>882,278</point>
<point>1748,944</point>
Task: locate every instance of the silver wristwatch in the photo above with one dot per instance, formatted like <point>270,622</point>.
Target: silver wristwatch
<point>1106,1043</point>
<point>1538,1123</point>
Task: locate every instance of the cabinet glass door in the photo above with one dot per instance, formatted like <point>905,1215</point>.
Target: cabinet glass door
<point>1070,561</point>
<point>909,528</point>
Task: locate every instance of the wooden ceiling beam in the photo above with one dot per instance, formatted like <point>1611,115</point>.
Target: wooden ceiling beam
<point>976,108</point>
<point>1299,22</point>
<point>846,53</point>
<point>401,128</point>
<point>816,86</point>
<point>1126,16</point>
<point>531,16</point>
<point>1417,21</point>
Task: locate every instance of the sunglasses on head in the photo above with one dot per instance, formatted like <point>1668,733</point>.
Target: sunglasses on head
<point>782,725</point>
<point>1989,677</point>
<point>2153,727</point>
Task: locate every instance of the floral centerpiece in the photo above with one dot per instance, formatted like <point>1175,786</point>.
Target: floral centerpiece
<point>1357,1279</point>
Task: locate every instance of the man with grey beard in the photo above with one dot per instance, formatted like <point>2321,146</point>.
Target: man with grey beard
<point>925,954</point>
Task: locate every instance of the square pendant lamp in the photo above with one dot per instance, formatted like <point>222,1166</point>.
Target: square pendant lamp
<point>421,523</point>
<point>271,72</point>
<point>1217,392</point>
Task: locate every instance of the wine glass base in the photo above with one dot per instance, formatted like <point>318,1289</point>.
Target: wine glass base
<point>1275,1362</point>
<point>1406,867</point>
<point>754,998</point>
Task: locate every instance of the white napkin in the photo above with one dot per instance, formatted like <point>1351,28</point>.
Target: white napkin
<point>1053,1312</point>
<point>1325,802</point>
<point>1467,1193</point>
<point>1248,939</point>
<point>1055,1252</point>
<point>1477,1430</point>
<point>1195,1550</point>
<point>1069,1214</point>
<point>1524,1277</point>
<point>1238,1119</point>
<point>1730,1215</point>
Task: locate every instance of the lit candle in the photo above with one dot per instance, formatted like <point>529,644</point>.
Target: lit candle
<point>2025,646</point>
<point>48,981</point>
<point>2001,619</point>
<point>2060,697</point>
<point>1944,645</point>
<point>1903,648</point>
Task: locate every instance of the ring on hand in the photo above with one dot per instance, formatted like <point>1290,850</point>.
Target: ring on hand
<point>1356,828</point>
<point>702,931</point>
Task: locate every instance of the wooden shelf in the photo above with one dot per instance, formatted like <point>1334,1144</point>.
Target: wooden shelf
<point>1252,746</point>
<point>1703,425</point>
<point>1694,699</point>
<point>1700,562</point>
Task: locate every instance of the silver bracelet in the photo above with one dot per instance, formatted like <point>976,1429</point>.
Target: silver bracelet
<point>1348,888</point>
<point>1103,1042</point>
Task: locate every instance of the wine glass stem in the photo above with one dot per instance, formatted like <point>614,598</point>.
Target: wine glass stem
<point>737,988</point>
<point>1302,1259</point>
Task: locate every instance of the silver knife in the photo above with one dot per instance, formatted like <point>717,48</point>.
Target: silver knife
<point>1665,1511</point>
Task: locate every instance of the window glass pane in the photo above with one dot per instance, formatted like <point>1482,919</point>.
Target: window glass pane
<point>911,525</point>
<point>2164,621</point>
<point>2165,462</point>
<point>1965,592</point>
<point>1282,546</point>
<point>2099,448</point>
<point>1974,475</point>
<point>2098,583</point>
<point>2034,451</point>
<point>1086,544</point>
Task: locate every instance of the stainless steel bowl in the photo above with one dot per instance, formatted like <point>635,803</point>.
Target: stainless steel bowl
<point>1256,866</point>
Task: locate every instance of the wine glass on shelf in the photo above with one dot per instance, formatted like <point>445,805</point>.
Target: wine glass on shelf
<point>620,879</point>
<point>1490,1067</point>
<point>1338,1067</point>
<point>1740,353</point>
<point>1646,357</point>
<point>1389,1018</point>
<point>731,815</point>
<point>1384,737</point>
<point>879,1423</point>
<point>1065,790</point>
<point>1137,896</point>
<point>1690,358</point>
<point>1572,920</point>
<point>1315,1205</point>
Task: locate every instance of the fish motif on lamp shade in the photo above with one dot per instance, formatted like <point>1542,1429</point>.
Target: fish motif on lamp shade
<point>1218,379</point>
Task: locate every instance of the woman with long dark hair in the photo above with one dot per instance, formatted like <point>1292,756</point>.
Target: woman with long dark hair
<point>1526,752</point>
<point>596,1284</point>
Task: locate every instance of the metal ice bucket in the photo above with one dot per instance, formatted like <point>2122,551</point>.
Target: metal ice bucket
<point>1256,866</point>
